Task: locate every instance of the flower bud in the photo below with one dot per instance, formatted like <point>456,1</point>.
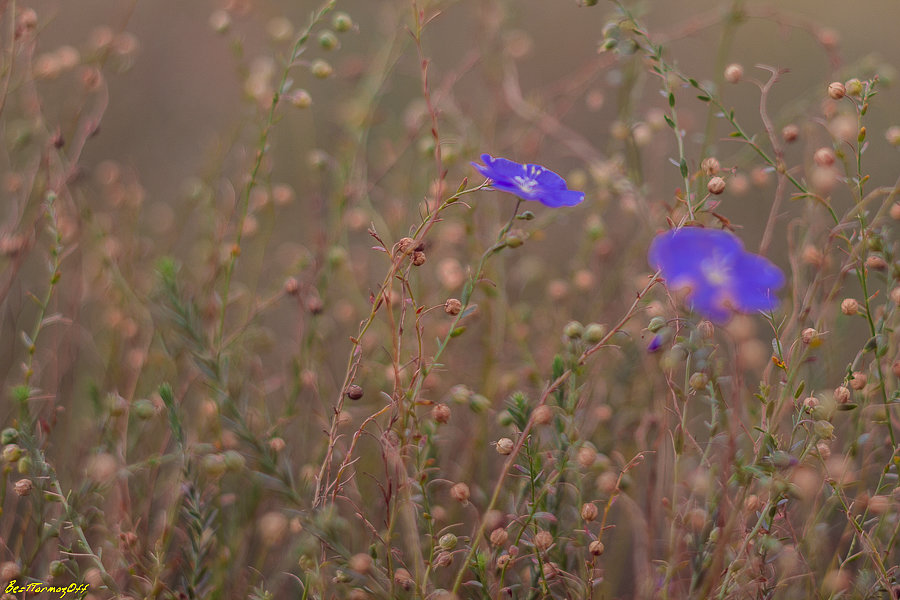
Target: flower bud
<point>823,429</point>
<point>448,541</point>
<point>876,263</point>
<point>291,286</point>
<point>594,332</point>
<point>515,238</point>
<point>328,41</point>
<point>499,536</point>
<point>824,157</point>
<point>505,446</point>
<point>220,21</point>
<point>586,457</point>
<point>460,492</point>
<point>836,90</point>
<point>403,579</point>
<point>11,453</point>
<point>406,245</point>
<point>543,540</point>
<point>452,307</point>
<point>440,413</point>
<point>656,323</point>
<point>10,435</point>
<point>589,511</point>
<point>809,336</point>
<point>710,166</point>
<point>842,394</point>
<point>443,559</point>
<point>300,98</point>
<point>23,487</point>
<point>573,330</point>
<point>854,87</point>
<point>542,415</point>
<point>734,73</point>
<point>341,22</point>
<point>699,381</point>
<point>716,185</point>
<point>361,563</point>
<point>849,306</point>
<point>892,135</point>
<point>790,133</point>
<point>321,69</point>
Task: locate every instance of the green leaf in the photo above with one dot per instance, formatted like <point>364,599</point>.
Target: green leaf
<point>671,99</point>
<point>684,168</point>
<point>669,121</point>
<point>168,398</point>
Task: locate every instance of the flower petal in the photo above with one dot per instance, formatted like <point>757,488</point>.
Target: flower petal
<point>556,198</point>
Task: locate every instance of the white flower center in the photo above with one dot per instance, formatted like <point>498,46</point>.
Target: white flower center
<point>717,270</point>
<point>528,182</point>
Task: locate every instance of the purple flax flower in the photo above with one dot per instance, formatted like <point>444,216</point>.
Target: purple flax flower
<point>720,275</point>
<point>528,182</point>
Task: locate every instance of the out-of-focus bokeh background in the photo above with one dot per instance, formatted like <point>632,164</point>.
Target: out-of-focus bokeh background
<point>177,384</point>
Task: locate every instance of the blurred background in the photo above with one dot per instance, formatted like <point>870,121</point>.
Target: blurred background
<point>147,118</point>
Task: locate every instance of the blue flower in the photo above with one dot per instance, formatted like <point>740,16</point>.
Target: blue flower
<point>528,182</point>
<point>720,275</point>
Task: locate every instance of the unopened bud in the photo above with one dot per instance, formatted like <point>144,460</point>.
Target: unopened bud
<point>23,487</point>
<point>710,166</point>
<point>321,69</point>
<point>300,98</point>
<point>505,446</point>
<point>403,579</point>
<point>699,381</point>
<point>734,73</point>
<point>849,306</point>
<point>876,263</point>
<point>499,536</point>
<point>716,185</point>
<point>543,540</point>
<point>440,413</point>
<point>824,157</point>
<point>573,330</point>
<point>836,90</point>
<point>542,415</point>
<point>842,394</point>
<point>452,307</point>
<point>790,133</point>
<point>809,336</point>
<point>291,286</point>
<point>854,87</point>
<point>406,245</point>
<point>460,492</point>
